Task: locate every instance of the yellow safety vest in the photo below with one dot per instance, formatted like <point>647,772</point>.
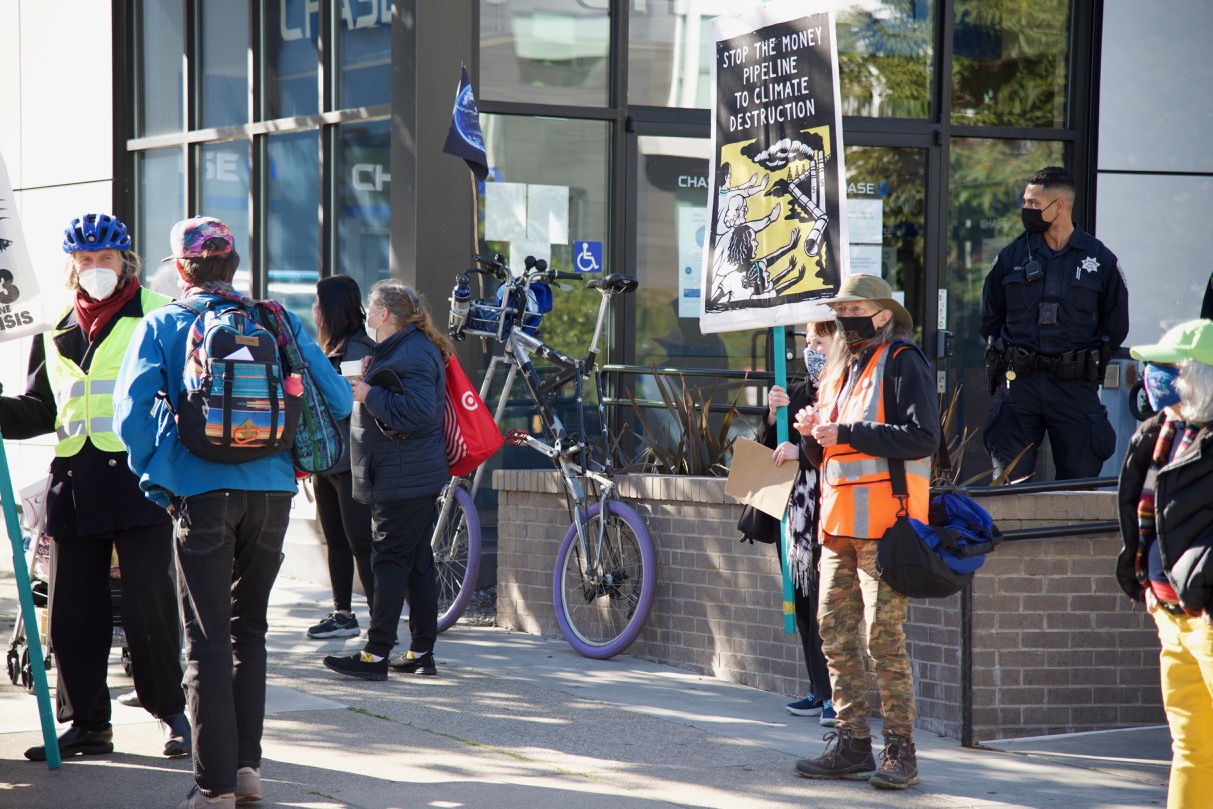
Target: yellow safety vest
<point>85,401</point>
<point>856,491</point>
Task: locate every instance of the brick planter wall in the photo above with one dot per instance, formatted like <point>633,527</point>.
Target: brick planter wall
<point>1055,645</point>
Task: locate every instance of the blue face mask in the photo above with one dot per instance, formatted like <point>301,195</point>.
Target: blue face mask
<point>814,363</point>
<point>1159,381</point>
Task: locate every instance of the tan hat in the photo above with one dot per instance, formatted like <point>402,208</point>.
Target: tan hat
<point>871,288</point>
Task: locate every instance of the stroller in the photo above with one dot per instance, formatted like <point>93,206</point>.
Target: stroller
<point>41,560</point>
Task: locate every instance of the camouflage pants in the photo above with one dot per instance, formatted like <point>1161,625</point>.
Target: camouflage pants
<point>852,596</point>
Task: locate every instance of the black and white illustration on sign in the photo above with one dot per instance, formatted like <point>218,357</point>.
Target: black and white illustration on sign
<point>778,243</point>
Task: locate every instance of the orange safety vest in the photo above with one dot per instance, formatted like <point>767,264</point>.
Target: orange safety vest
<point>856,491</point>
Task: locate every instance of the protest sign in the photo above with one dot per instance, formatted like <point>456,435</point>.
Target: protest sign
<point>21,304</point>
<point>778,242</point>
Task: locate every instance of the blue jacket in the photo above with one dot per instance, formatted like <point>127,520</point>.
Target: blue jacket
<point>154,363</point>
<point>411,462</point>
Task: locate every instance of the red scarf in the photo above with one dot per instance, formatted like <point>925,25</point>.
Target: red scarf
<point>94,315</point>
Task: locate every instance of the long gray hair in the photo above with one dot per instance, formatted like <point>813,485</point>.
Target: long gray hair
<point>1196,391</point>
<point>841,354</point>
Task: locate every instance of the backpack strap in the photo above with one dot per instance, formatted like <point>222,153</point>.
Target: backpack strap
<point>945,458</point>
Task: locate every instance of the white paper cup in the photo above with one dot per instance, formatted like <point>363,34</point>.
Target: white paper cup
<point>352,370</point>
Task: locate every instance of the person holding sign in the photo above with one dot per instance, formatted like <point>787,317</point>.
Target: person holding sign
<point>877,417</point>
<point>804,508</point>
<point>94,506</point>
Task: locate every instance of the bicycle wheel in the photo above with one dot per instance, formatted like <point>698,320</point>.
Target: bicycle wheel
<point>456,544</point>
<point>602,603</point>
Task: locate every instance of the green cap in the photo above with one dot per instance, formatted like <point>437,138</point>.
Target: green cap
<point>1187,341</point>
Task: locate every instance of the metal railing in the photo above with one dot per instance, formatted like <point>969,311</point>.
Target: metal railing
<point>1044,487</point>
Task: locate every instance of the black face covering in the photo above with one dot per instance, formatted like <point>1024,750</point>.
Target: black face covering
<point>856,329</point>
<point>1034,219</point>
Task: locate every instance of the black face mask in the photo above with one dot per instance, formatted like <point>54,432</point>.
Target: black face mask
<point>856,329</point>
<point>1034,219</point>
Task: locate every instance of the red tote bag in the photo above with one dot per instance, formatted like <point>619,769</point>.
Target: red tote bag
<point>471,434</point>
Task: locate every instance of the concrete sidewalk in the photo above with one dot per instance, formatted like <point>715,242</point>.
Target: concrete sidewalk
<point>514,720</point>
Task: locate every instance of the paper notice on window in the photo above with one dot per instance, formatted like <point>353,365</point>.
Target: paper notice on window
<point>547,214</point>
<point>504,212</point>
<point>756,481</point>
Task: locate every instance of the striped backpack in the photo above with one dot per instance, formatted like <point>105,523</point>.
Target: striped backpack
<point>234,406</point>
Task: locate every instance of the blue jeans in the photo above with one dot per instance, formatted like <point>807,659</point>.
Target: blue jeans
<point>229,550</point>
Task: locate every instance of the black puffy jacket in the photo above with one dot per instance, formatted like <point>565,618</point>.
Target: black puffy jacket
<point>1183,515</point>
<point>412,463</point>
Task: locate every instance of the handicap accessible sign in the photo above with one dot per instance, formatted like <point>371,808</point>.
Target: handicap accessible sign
<point>587,256</point>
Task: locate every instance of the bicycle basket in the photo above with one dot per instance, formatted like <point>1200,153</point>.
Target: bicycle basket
<point>496,319</point>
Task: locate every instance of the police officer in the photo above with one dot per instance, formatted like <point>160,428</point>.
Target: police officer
<point>1054,310</point>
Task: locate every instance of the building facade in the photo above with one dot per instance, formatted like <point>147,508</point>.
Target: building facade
<point>315,127</point>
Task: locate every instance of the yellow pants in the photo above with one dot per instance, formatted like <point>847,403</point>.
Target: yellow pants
<point>1186,661</point>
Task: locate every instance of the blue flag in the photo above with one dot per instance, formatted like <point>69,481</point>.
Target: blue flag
<point>464,138</point>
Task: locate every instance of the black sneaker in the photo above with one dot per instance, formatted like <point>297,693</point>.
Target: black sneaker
<point>336,625</point>
<point>416,663</point>
<point>359,665</point>
<point>845,757</point>
<point>78,742</point>
<point>177,735</point>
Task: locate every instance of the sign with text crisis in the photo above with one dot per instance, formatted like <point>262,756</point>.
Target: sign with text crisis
<point>778,242</point>
<point>21,305</point>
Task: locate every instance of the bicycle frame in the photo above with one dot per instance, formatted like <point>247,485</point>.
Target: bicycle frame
<point>577,477</point>
<point>603,585</point>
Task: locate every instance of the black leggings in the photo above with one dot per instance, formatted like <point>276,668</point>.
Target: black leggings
<point>346,524</point>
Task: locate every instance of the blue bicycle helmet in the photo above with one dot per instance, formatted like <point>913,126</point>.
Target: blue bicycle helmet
<point>96,231</point>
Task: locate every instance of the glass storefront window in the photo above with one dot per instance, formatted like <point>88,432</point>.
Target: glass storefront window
<point>551,190</point>
<point>885,50</point>
<point>364,54</point>
<point>1010,63</point>
<point>292,229</point>
<point>886,221</point>
<point>362,185</point>
<point>160,34</point>
<point>671,221</point>
<point>290,33</point>
<point>223,71</point>
<point>886,57</point>
<point>160,180</point>
<point>545,51</point>
<point>223,193</point>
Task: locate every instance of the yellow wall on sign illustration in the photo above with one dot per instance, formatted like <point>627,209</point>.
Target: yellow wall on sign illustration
<point>779,233</point>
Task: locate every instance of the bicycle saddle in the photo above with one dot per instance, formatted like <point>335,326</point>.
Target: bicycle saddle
<point>615,283</point>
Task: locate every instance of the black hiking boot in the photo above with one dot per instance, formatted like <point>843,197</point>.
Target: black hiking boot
<point>898,764</point>
<point>845,757</point>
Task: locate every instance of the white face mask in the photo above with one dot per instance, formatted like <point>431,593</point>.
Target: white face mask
<point>98,282</point>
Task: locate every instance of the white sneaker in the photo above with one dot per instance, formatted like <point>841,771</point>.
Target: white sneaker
<point>196,800</point>
<point>248,785</point>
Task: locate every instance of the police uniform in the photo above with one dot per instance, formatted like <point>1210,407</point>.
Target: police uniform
<point>1055,318</point>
